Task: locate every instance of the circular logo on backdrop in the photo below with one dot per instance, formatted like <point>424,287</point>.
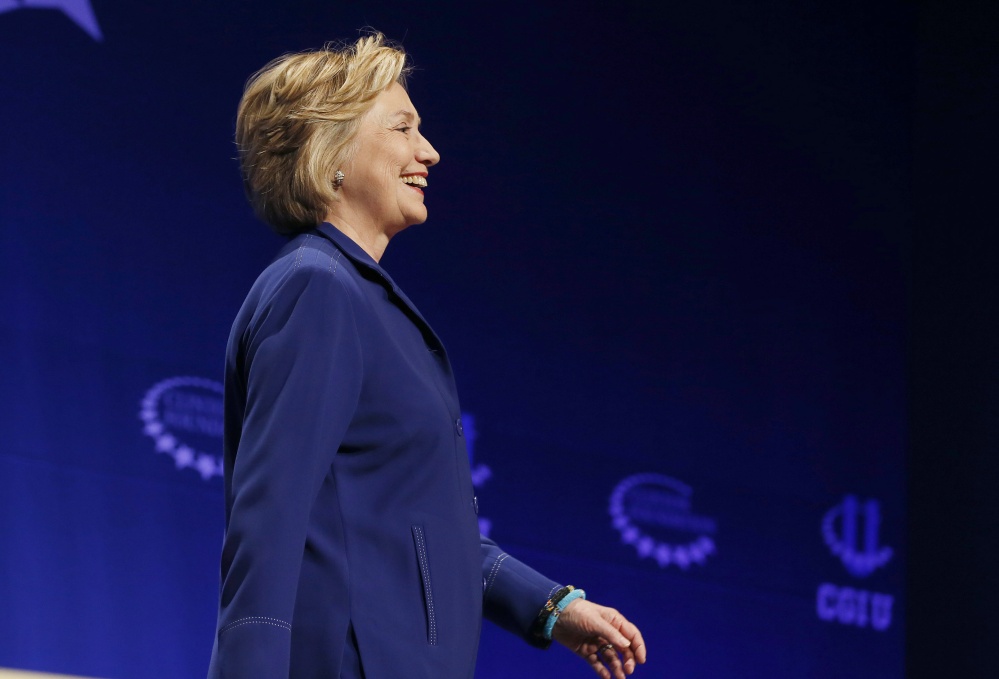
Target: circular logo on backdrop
<point>652,512</point>
<point>183,416</point>
<point>850,530</point>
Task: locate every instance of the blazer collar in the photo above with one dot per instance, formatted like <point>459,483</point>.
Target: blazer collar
<point>361,258</point>
<point>348,246</point>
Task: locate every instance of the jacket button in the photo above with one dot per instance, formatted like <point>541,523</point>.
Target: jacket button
<point>458,428</point>
<point>475,503</point>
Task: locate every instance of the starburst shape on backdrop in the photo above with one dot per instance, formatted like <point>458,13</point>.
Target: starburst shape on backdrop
<point>79,11</point>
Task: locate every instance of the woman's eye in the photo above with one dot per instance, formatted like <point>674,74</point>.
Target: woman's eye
<point>404,129</point>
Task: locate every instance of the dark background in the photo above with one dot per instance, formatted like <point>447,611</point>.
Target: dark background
<point>954,508</point>
<point>683,240</point>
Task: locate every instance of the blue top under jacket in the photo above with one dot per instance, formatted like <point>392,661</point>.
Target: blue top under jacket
<point>349,502</point>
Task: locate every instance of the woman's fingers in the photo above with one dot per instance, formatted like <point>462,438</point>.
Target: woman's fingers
<point>607,663</point>
<point>628,659</point>
<point>638,646</point>
<point>613,662</point>
<point>604,638</point>
<point>628,630</point>
<point>598,665</point>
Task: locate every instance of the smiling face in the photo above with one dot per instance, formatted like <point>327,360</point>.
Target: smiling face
<point>383,189</point>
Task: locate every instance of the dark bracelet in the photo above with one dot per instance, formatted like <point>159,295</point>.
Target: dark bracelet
<point>537,630</point>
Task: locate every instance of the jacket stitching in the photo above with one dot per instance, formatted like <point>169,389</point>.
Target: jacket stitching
<point>256,619</point>
<point>495,570</point>
<point>253,622</point>
<point>425,567</point>
<point>301,250</point>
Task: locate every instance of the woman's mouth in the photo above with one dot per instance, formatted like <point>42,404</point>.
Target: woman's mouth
<point>415,181</point>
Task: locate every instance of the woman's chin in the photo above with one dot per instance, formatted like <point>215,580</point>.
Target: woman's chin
<point>417,217</point>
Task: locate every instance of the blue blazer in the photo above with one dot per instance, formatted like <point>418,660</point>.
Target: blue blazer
<point>350,516</point>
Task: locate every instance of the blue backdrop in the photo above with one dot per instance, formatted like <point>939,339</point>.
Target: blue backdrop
<point>683,228</point>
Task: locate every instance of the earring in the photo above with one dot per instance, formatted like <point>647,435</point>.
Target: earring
<point>338,178</point>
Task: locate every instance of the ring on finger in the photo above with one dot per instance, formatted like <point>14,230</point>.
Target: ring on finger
<point>604,648</point>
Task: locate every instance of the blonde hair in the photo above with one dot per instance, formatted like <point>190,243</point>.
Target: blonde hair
<point>296,124</point>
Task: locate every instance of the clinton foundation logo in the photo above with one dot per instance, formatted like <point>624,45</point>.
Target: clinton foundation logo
<point>79,12</point>
<point>183,416</point>
<point>851,531</point>
<point>653,514</point>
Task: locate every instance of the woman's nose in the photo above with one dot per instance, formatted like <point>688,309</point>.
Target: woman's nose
<point>427,154</point>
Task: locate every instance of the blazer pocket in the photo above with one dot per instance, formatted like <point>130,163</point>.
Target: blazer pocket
<point>420,541</point>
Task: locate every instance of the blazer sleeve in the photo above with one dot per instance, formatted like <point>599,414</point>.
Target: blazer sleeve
<point>513,593</point>
<point>301,362</point>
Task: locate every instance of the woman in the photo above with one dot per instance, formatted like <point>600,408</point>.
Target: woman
<point>352,545</point>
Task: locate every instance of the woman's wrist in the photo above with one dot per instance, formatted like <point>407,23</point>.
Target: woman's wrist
<point>549,613</point>
<point>559,607</point>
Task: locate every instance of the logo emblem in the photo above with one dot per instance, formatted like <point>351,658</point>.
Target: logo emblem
<point>79,11</point>
<point>851,533</point>
<point>183,415</point>
<point>652,513</point>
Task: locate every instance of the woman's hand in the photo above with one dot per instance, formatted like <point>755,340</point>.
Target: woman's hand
<point>597,634</point>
